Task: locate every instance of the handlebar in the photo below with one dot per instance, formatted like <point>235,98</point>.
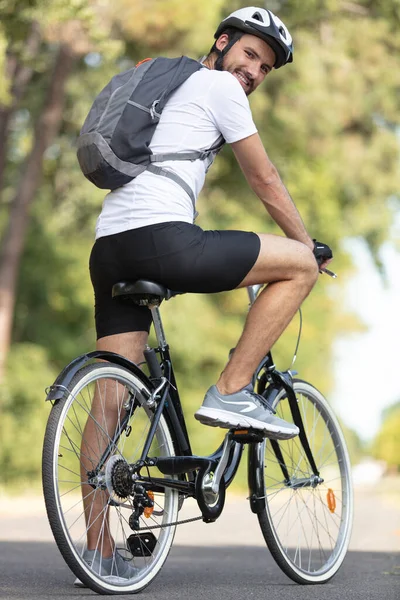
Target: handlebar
<point>328,272</point>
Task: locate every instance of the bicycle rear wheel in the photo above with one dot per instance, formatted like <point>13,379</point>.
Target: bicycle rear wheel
<point>307,522</point>
<point>94,432</point>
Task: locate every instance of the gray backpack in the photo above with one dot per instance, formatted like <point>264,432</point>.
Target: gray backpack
<point>113,146</point>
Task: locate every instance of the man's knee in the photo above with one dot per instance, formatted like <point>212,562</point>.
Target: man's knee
<point>309,270</point>
<point>282,259</point>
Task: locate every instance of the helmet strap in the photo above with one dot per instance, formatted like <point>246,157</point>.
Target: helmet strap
<point>218,65</point>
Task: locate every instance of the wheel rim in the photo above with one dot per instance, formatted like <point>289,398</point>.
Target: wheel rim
<point>310,525</point>
<point>69,454</point>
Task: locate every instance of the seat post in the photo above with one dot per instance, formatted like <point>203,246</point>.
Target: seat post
<point>158,326</point>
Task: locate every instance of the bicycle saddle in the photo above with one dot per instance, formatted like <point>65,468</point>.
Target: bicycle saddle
<point>142,292</point>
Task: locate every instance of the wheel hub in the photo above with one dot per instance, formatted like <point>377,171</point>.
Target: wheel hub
<point>304,482</point>
<point>118,477</point>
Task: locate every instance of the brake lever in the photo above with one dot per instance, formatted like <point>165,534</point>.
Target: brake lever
<point>328,272</point>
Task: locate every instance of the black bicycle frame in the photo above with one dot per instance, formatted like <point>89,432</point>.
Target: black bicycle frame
<point>278,380</point>
<point>170,406</point>
<point>270,383</point>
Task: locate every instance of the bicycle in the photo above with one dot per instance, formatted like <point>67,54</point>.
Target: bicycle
<point>141,469</point>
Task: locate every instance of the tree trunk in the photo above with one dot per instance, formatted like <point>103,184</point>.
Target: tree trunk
<point>13,243</point>
<point>5,115</point>
<point>20,75</point>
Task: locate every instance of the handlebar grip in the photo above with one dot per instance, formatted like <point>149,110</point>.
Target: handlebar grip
<point>322,252</point>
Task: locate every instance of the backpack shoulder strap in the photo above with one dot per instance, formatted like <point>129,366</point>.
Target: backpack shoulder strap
<point>195,155</point>
<point>174,177</point>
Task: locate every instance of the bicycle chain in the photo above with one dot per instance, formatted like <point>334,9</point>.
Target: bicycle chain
<point>169,524</point>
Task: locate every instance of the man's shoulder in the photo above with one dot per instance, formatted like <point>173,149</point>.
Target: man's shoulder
<point>217,76</point>
<point>219,82</point>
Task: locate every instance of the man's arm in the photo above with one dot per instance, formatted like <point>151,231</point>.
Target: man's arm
<point>264,180</point>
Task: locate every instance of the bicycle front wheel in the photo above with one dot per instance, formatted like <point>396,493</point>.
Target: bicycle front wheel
<point>307,520</point>
<point>93,434</point>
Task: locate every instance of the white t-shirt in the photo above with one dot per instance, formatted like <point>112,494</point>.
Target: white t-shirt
<point>209,103</point>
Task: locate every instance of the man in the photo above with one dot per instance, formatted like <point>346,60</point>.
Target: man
<point>146,228</point>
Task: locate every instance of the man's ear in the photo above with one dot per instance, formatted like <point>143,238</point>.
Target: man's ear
<point>222,41</point>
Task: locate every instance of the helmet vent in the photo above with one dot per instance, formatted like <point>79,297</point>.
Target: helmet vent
<point>282,32</point>
<point>257,17</point>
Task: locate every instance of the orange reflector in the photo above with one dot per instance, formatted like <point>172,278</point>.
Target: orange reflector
<point>330,496</point>
<point>239,431</point>
<point>149,509</point>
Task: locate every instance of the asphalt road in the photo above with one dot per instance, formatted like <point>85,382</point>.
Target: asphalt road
<point>36,570</point>
<point>227,560</point>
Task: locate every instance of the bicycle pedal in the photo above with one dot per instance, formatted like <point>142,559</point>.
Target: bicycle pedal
<point>247,436</point>
<point>142,544</point>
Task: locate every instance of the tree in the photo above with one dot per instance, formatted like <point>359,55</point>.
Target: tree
<point>18,73</point>
<point>328,122</point>
<point>62,28</point>
<point>14,238</point>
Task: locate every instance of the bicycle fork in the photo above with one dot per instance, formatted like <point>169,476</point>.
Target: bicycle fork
<point>279,382</point>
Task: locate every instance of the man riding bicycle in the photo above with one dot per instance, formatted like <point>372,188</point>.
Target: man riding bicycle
<point>146,230</point>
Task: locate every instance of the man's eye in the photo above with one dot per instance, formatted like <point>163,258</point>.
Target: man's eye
<point>249,53</point>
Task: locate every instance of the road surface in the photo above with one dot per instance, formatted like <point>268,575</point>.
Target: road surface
<point>223,561</point>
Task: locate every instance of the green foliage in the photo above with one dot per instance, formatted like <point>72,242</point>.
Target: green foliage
<point>356,447</point>
<point>54,304</point>
<point>170,26</point>
<point>16,21</point>
<point>5,97</point>
<point>386,445</point>
<point>328,121</point>
<point>23,413</point>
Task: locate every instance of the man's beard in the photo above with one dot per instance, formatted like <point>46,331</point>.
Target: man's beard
<point>220,66</point>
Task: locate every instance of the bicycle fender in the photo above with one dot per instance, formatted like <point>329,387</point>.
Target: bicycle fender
<point>61,384</point>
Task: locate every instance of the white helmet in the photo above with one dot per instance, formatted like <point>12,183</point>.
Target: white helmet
<point>265,25</point>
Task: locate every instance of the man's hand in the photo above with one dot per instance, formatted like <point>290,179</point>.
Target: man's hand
<point>323,255</point>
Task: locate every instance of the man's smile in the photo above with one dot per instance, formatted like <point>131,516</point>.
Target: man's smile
<point>244,81</point>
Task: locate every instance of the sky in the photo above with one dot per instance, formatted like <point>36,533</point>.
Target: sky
<point>367,365</point>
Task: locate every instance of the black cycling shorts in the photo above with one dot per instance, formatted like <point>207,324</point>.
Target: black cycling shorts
<point>178,255</point>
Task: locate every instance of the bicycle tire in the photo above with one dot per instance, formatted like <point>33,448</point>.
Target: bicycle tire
<point>311,546</point>
<point>66,448</point>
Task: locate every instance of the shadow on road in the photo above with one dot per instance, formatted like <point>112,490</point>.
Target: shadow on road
<point>37,570</point>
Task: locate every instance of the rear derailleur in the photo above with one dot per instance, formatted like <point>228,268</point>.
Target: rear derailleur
<point>141,501</point>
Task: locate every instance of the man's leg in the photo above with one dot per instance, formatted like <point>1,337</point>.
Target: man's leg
<point>131,344</point>
<point>105,411</point>
<point>291,271</point>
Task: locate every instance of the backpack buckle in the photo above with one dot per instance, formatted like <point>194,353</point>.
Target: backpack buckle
<point>203,155</point>
<point>153,113</point>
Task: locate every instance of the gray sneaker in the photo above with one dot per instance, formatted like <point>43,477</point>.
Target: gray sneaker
<point>246,409</point>
<point>115,569</point>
